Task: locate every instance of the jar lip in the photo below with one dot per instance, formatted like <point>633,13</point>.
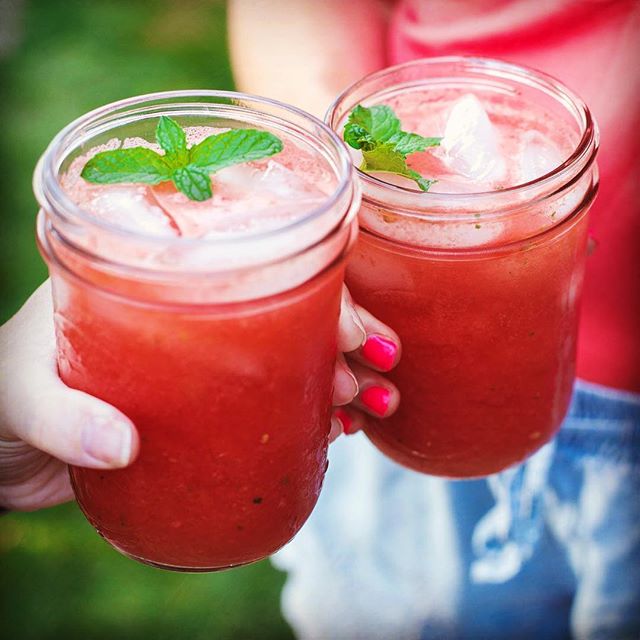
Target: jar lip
<point>584,151</point>
<point>50,194</point>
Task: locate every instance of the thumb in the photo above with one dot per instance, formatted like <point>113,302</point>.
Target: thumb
<point>79,429</point>
<point>72,426</point>
<point>39,409</point>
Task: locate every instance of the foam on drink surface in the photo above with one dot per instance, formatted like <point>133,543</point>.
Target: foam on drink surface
<point>490,141</point>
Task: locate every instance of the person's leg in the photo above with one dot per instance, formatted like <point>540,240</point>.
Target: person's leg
<point>393,553</point>
<point>593,509</point>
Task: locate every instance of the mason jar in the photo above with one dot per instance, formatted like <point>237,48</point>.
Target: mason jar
<point>220,349</point>
<point>483,286</point>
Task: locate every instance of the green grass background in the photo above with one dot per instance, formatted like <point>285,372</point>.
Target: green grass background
<point>58,579</point>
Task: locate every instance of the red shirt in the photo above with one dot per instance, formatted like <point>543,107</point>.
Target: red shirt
<point>593,46</point>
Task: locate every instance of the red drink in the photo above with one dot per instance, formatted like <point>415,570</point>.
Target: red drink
<point>194,319</point>
<point>481,276</point>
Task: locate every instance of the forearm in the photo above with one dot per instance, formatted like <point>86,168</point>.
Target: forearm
<point>305,52</point>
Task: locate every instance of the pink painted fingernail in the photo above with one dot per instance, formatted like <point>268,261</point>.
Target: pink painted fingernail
<point>345,420</point>
<point>380,352</point>
<point>376,399</point>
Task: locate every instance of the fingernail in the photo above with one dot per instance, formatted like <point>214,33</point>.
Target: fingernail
<point>354,380</point>
<point>107,440</point>
<point>336,429</point>
<point>356,320</point>
<point>380,351</point>
<point>345,421</point>
<point>376,399</point>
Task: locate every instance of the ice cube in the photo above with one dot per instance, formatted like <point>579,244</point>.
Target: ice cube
<point>470,142</point>
<point>245,198</point>
<point>195,219</point>
<point>537,157</point>
<point>273,179</point>
<point>131,207</point>
<point>239,176</point>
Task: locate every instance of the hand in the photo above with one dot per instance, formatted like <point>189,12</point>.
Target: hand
<point>366,347</point>
<point>45,425</point>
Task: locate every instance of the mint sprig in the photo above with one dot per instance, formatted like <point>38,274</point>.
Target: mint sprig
<point>188,168</point>
<point>377,132</point>
<point>173,141</point>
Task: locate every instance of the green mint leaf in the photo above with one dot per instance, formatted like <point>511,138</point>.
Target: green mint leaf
<point>189,169</point>
<point>357,137</point>
<point>233,147</point>
<point>367,126</point>
<point>377,132</point>
<point>193,182</point>
<point>423,183</point>
<point>406,143</point>
<point>173,140</point>
<point>137,164</point>
<point>385,158</point>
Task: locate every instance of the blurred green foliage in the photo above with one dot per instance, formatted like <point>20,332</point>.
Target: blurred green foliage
<point>58,578</point>
<point>61,580</point>
<point>76,55</point>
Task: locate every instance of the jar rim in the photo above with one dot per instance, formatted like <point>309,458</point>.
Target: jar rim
<point>578,162</point>
<point>50,194</point>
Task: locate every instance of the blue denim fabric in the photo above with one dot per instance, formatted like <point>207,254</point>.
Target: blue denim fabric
<point>546,550</point>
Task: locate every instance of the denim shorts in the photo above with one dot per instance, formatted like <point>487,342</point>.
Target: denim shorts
<point>549,549</point>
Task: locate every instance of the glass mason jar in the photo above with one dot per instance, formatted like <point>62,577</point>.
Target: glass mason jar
<point>483,288</point>
<point>204,343</point>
